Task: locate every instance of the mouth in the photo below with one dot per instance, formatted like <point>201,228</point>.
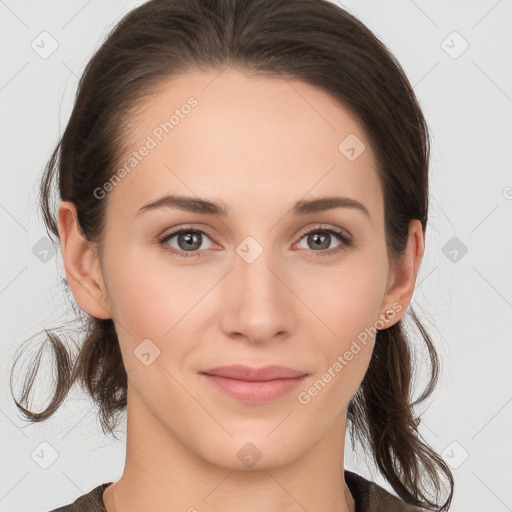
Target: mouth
<point>254,385</point>
<point>266,373</point>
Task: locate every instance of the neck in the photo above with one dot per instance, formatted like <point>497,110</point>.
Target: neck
<point>162,474</point>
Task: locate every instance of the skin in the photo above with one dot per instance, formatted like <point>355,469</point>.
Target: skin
<point>258,145</point>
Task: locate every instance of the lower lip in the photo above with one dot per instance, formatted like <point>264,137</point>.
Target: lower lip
<point>255,392</point>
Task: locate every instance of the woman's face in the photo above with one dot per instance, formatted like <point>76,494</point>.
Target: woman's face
<point>255,288</point>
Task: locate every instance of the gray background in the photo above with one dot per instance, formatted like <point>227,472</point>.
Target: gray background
<point>465,298</point>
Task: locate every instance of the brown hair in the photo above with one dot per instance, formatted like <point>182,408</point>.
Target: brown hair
<point>323,45</point>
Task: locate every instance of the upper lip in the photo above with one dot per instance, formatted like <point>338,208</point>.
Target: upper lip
<point>242,372</point>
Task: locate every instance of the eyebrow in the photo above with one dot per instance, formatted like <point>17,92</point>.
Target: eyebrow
<point>197,205</point>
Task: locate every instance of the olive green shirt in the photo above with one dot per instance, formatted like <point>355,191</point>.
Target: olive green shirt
<point>368,497</point>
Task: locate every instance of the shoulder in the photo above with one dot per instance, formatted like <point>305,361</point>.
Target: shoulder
<point>370,497</point>
<point>89,502</point>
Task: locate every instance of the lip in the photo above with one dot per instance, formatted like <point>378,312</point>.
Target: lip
<point>255,385</point>
<point>242,372</point>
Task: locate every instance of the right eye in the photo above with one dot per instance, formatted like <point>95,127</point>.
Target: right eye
<point>185,236</point>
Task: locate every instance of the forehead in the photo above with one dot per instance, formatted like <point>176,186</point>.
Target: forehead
<point>251,141</point>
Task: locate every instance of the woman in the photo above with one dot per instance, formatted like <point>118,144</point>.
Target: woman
<point>244,199</point>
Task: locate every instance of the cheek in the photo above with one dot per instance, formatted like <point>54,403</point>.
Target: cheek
<point>149,300</point>
<point>348,306</point>
<point>347,298</point>
<point>162,304</point>
<point>154,304</point>
<point>345,356</point>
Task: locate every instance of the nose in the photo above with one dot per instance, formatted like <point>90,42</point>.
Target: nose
<point>257,303</point>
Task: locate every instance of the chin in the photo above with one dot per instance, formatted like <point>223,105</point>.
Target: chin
<point>247,452</point>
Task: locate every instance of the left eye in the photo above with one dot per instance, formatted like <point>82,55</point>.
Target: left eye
<point>190,241</point>
<point>318,237</point>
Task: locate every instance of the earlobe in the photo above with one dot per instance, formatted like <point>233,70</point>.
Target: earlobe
<point>81,263</point>
<point>401,285</point>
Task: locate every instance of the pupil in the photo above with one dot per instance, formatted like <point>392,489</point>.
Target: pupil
<point>189,237</point>
<point>318,239</point>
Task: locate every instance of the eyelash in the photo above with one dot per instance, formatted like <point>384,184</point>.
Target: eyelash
<point>346,241</point>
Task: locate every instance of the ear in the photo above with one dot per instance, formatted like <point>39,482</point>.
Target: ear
<point>400,286</point>
<point>83,271</point>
